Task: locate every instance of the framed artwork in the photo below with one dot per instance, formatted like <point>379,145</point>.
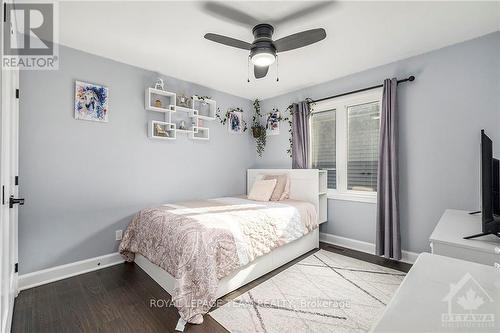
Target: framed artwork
<point>235,122</point>
<point>273,123</point>
<point>91,102</point>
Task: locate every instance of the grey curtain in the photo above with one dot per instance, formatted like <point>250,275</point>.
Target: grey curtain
<point>388,242</point>
<point>300,135</point>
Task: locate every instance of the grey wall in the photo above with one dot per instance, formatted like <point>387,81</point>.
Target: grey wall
<point>456,93</point>
<point>84,180</point>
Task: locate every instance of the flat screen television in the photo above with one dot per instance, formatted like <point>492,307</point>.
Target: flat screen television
<point>490,189</point>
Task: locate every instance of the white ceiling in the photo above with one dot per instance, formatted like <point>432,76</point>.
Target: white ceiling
<point>167,37</point>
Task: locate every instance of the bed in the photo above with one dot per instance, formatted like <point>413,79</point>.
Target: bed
<point>201,250</point>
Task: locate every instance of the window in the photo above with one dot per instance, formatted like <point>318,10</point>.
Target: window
<point>362,146</point>
<point>323,144</point>
<point>344,141</point>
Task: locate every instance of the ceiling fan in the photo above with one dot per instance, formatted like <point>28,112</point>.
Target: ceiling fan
<point>263,49</point>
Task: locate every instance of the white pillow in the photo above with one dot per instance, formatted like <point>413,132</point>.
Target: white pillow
<point>262,190</point>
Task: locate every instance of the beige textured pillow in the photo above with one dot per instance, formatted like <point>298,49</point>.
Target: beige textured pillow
<point>286,191</point>
<point>262,190</point>
<point>281,184</point>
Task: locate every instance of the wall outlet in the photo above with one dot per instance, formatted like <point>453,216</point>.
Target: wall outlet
<point>118,234</point>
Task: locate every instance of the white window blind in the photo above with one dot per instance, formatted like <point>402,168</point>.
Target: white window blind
<point>345,141</point>
<point>323,144</point>
<point>362,146</point>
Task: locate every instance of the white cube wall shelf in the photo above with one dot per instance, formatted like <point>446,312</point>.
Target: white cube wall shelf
<point>168,106</point>
<point>165,97</point>
<point>200,133</point>
<point>168,127</point>
<point>211,110</point>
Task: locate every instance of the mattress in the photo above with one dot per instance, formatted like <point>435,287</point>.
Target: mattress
<point>200,242</point>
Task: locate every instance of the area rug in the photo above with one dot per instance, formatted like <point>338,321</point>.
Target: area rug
<point>325,292</point>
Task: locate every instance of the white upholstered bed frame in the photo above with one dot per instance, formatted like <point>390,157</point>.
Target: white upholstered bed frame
<point>304,186</point>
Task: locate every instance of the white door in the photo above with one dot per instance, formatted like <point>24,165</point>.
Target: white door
<point>9,122</point>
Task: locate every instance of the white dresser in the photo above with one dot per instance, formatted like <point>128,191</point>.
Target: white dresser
<point>447,239</point>
<point>430,298</point>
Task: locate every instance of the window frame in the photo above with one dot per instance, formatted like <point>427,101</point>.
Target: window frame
<point>341,105</point>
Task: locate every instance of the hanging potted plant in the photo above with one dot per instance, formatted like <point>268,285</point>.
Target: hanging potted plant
<point>258,130</point>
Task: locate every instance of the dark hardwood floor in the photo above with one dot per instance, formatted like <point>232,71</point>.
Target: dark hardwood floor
<point>118,298</point>
<point>397,265</point>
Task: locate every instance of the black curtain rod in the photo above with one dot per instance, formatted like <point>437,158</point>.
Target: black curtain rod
<point>411,78</point>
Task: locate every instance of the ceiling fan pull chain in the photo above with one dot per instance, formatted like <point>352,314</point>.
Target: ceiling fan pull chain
<point>277,69</point>
<point>248,69</point>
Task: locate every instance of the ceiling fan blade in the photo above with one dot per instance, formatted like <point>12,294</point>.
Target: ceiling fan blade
<point>301,13</point>
<point>300,39</point>
<point>259,71</point>
<point>228,41</point>
<point>227,13</point>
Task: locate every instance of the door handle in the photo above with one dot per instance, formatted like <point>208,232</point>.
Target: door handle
<point>13,201</point>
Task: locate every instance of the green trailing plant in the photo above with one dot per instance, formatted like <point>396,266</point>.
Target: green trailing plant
<point>223,117</point>
<point>257,115</point>
<point>203,98</point>
<point>258,130</point>
<point>288,117</point>
<point>260,140</point>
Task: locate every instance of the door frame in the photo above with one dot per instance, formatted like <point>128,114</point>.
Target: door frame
<point>9,160</point>
<point>9,141</point>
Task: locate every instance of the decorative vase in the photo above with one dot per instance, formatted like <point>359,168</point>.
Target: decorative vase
<point>182,125</point>
<point>158,103</point>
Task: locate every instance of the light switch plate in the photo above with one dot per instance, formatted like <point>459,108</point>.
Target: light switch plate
<point>119,235</point>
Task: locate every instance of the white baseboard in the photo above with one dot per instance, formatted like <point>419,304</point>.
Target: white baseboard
<point>357,245</point>
<point>52,274</point>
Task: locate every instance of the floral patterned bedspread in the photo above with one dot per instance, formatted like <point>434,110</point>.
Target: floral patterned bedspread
<point>200,242</point>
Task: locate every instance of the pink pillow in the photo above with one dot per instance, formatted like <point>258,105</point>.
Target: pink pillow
<point>262,190</point>
<point>282,188</point>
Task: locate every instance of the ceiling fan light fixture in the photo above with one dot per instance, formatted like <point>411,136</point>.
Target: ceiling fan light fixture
<point>263,59</point>
<point>264,50</point>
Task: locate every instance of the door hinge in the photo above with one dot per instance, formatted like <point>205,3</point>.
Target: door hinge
<point>17,93</point>
<point>16,180</point>
<point>3,195</point>
<point>16,267</point>
<point>5,12</point>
